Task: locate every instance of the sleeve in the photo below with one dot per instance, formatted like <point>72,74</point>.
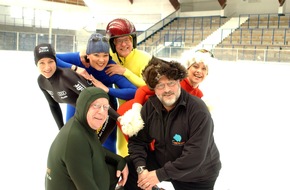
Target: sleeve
<point>142,93</point>
<point>66,60</point>
<point>55,109</point>
<point>131,120</point>
<point>115,159</point>
<point>138,147</point>
<point>113,114</point>
<point>139,59</point>
<point>140,98</point>
<point>79,163</point>
<point>136,80</point>
<point>138,144</point>
<point>125,89</point>
<point>75,82</point>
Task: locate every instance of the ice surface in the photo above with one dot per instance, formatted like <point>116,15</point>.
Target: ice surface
<point>249,102</point>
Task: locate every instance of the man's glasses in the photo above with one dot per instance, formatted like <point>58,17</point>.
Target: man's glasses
<point>119,41</point>
<point>99,106</point>
<point>161,86</point>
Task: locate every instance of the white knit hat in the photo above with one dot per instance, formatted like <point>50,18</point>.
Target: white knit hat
<point>202,55</point>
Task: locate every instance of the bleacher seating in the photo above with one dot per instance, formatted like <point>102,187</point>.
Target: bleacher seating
<point>254,37</point>
<point>187,32</point>
<point>261,30</point>
<point>258,30</point>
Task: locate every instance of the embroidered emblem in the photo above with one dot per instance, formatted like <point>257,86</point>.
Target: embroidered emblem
<point>177,140</point>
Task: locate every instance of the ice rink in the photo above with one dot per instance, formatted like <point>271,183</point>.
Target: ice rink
<point>249,101</point>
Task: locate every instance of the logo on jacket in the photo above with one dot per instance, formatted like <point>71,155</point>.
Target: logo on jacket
<point>62,93</point>
<point>177,140</point>
<point>79,86</point>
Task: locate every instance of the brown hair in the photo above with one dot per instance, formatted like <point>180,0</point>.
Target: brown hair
<point>156,68</point>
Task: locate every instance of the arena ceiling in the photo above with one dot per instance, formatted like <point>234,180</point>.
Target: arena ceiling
<point>174,3</point>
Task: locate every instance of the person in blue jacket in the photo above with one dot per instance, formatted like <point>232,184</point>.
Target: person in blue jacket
<point>94,63</point>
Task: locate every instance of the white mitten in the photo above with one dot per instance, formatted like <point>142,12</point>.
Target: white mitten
<point>131,121</point>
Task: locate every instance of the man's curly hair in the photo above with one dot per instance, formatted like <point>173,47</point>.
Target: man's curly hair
<point>157,68</point>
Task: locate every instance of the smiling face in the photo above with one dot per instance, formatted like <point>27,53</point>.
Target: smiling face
<point>98,113</point>
<point>167,91</point>
<point>98,60</point>
<point>46,67</point>
<point>197,72</point>
<point>124,45</point>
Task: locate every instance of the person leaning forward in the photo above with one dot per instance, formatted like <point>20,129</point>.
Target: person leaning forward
<point>76,158</point>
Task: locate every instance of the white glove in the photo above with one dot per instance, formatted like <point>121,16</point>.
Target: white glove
<point>131,121</point>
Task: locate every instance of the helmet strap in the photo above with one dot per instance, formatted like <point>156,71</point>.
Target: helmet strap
<point>119,58</point>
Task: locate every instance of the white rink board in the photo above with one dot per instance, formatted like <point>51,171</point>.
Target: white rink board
<point>249,103</point>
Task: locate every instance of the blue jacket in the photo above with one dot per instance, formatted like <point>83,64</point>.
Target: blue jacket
<point>125,89</point>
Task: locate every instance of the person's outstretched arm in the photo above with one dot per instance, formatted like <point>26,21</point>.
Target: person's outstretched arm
<point>55,109</point>
<point>131,121</point>
<point>73,61</point>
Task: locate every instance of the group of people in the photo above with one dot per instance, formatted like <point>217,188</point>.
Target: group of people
<point>165,130</point>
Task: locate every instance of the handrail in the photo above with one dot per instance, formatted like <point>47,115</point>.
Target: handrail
<point>266,24</point>
<point>147,33</point>
<point>205,22</point>
<point>234,53</point>
<point>262,22</point>
<point>258,19</point>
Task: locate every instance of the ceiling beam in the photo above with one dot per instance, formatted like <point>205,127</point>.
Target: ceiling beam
<point>175,4</point>
<point>281,2</point>
<point>223,3</point>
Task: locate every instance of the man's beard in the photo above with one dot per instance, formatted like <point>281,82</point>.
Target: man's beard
<point>169,102</point>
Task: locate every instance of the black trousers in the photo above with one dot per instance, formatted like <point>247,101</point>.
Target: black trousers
<point>131,183</point>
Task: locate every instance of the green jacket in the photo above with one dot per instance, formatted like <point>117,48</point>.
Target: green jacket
<point>76,157</point>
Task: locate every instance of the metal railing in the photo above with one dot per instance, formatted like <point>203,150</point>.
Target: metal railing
<point>226,54</point>
<point>261,29</point>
